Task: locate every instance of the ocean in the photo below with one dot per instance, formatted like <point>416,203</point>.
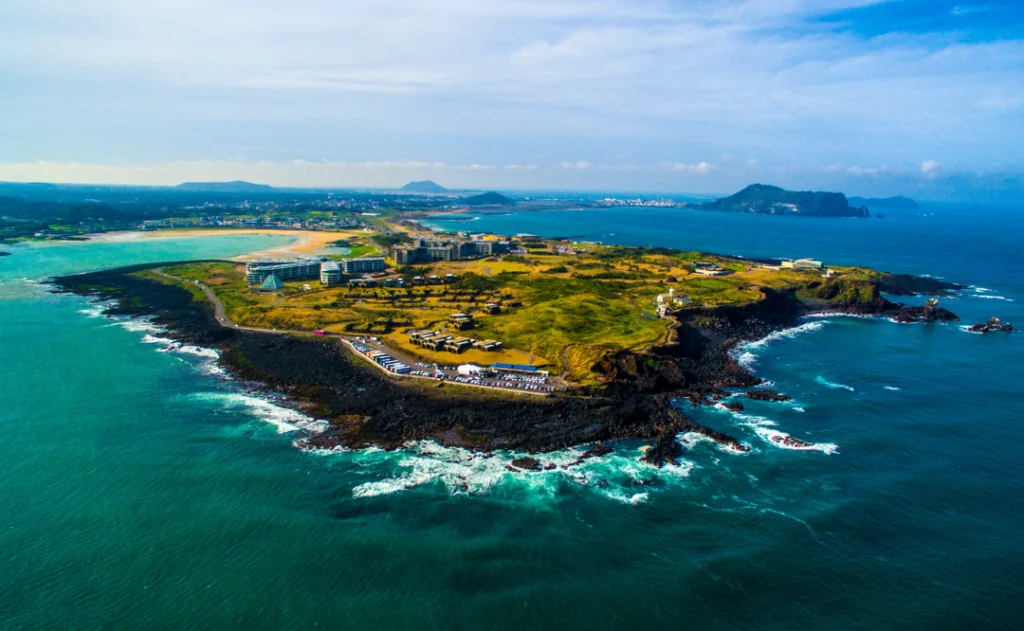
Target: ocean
<point>143,489</point>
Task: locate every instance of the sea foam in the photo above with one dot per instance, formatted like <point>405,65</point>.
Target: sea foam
<point>744,354</point>
<point>832,385</point>
<point>463,472</point>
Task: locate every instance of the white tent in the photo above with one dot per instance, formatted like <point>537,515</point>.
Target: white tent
<point>470,369</point>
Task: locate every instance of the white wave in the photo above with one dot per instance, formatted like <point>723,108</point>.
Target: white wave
<point>95,311</point>
<point>832,384</point>
<point>893,388</point>
<point>765,429</point>
<point>747,360</point>
<point>797,408</point>
<point>981,290</point>
<point>782,440</point>
<point>198,351</point>
<point>464,472</point>
<point>155,339</point>
<point>139,326</point>
<point>284,419</point>
<point>988,297</point>
<point>690,440</point>
<point>744,355</point>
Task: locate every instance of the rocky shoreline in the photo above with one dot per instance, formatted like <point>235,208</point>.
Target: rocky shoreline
<point>364,408</point>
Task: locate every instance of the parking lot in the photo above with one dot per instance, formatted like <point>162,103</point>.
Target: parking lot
<point>373,349</point>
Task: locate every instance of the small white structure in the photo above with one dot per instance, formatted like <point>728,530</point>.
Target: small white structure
<point>470,370</point>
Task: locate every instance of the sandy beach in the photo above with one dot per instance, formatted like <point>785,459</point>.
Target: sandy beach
<point>305,241</point>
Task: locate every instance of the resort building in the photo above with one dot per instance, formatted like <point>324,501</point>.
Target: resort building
<point>461,321</point>
<point>364,266</point>
<point>802,264</point>
<point>330,274</point>
<point>427,251</point>
<point>285,269</point>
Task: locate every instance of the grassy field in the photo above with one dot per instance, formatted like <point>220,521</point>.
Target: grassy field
<point>559,311</point>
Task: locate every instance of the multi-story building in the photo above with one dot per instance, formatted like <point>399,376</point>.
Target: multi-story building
<point>285,269</point>
<point>426,251</point>
<point>330,274</point>
<point>364,266</point>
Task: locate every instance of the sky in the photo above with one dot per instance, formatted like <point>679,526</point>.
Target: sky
<point>917,97</point>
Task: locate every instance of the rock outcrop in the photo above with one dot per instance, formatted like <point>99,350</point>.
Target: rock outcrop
<point>993,324</point>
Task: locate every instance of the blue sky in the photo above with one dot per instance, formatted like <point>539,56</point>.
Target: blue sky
<point>922,97</point>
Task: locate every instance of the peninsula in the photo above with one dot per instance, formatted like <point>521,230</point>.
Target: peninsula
<point>491,342</point>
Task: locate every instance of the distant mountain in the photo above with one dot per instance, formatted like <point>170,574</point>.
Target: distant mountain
<point>237,186</point>
<point>489,199</point>
<point>772,200</point>
<point>424,186</point>
<point>896,203</point>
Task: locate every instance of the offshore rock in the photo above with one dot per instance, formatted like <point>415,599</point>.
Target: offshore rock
<point>768,395</point>
<point>733,406</point>
<point>993,324</point>
<point>930,312</point>
<point>665,450</point>
<point>527,462</point>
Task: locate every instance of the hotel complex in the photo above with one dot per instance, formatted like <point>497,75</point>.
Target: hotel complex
<point>285,269</point>
<point>426,251</point>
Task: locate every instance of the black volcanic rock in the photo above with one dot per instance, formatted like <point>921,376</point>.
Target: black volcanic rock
<point>526,462</point>
<point>765,199</point>
<point>907,285</point>
<point>993,324</point>
<point>768,395</point>
<point>665,450</point>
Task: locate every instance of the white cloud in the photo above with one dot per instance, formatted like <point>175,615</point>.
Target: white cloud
<point>930,168</point>
<point>700,167</point>
<point>618,81</point>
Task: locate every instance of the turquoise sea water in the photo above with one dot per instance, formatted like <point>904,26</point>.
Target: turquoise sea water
<point>142,490</point>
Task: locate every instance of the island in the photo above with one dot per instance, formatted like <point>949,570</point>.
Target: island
<point>489,199</point>
<point>772,200</point>
<point>493,342</point>
<point>423,186</point>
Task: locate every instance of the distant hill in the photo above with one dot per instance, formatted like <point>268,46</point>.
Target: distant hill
<point>896,203</point>
<point>772,200</point>
<point>237,186</point>
<point>489,199</point>
<point>424,186</point>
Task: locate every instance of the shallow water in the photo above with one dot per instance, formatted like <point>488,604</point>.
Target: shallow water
<point>144,490</point>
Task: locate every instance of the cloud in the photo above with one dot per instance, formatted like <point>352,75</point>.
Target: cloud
<point>700,167</point>
<point>961,10</point>
<point>930,168</point>
<point>506,84</point>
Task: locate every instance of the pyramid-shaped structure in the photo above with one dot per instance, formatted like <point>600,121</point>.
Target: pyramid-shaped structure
<point>272,283</point>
